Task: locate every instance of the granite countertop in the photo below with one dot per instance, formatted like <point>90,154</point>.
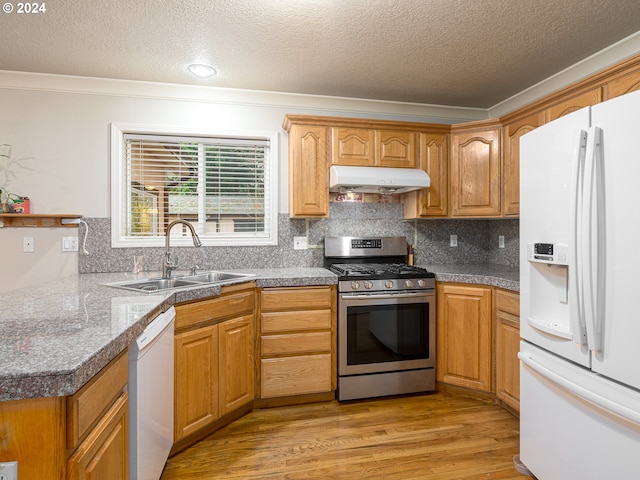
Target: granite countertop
<point>501,276</point>
<point>55,337</point>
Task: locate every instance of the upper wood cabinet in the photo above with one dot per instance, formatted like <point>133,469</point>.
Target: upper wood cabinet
<point>434,159</point>
<point>475,169</point>
<point>308,170</point>
<point>395,148</point>
<point>586,99</point>
<point>370,147</point>
<point>512,132</point>
<point>352,146</point>
<point>626,81</point>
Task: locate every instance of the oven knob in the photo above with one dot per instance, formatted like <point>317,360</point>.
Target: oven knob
<point>368,285</point>
<point>388,284</point>
<point>355,285</point>
<point>409,283</point>
<point>422,283</point>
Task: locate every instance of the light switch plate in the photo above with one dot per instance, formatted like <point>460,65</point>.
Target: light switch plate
<point>69,244</point>
<point>453,240</point>
<point>501,241</point>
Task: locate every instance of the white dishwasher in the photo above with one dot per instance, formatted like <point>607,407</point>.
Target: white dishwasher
<point>151,398</point>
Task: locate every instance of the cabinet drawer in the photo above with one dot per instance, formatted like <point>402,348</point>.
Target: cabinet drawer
<point>296,321</point>
<point>216,308</point>
<point>301,375</point>
<point>87,406</point>
<point>508,302</point>
<point>296,343</point>
<point>296,298</point>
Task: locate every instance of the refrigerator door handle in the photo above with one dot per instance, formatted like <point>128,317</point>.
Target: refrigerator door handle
<point>592,243</point>
<point>576,286</point>
<point>578,390</point>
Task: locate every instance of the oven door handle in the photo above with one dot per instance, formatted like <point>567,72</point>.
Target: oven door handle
<point>369,296</point>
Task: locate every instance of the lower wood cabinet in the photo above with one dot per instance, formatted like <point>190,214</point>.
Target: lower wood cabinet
<point>507,308</point>
<point>464,333</point>
<point>214,359</point>
<point>297,341</point>
<point>83,436</point>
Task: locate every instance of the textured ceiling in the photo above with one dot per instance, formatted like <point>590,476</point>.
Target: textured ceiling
<point>472,53</point>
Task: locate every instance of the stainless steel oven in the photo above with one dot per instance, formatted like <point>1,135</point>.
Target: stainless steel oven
<point>386,319</point>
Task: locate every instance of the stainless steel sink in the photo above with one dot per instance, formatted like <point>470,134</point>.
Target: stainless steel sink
<point>214,277</point>
<point>180,282</point>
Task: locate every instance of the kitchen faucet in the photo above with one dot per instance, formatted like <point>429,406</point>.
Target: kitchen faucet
<point>167,264</point>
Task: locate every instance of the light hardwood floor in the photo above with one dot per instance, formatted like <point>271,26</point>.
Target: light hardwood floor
<point>440,436</point>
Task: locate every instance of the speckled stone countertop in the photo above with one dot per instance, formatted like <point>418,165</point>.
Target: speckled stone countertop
<point>55,337</point>
<point>481,274</point>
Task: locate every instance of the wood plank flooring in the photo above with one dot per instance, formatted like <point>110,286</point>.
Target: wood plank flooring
<point>439,436</point>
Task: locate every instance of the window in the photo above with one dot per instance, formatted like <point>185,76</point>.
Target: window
<point>225,185</point>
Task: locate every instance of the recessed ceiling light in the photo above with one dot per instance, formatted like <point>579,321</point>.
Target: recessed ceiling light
<point>202,71</point>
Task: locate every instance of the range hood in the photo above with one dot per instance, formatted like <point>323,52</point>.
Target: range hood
<point>383,180</point>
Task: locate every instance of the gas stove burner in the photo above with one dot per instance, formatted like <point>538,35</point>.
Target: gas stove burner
<point>378,270</point>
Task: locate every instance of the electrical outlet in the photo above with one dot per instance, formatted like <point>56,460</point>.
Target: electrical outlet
<point>453,240</point>
<point>299,243</point>
<point>8,470</point>
<point>69,244</point>
<point>501,241</point>
<point>28,245</point>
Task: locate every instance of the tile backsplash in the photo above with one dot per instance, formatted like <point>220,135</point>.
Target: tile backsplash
<point>477,242</point>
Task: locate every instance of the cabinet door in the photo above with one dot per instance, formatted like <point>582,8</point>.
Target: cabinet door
<point>475,173</point>
<point>626,82</point>
<point>236,363</point>
<point>434,160</point>
<point>572,104</point>
<point>103,455</point>
<point>352,146</point>
<point>395,149</point>
<point>507,364</point>
<point>464,353</point>
<point>507,346</point>
<point>196,387</point>
<point>308,172</point>
<point>513,131</point>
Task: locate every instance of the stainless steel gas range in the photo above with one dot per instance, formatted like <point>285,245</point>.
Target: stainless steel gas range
<point>386,318</point>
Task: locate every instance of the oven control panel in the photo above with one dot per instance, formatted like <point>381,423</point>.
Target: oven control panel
<point>388,285</point>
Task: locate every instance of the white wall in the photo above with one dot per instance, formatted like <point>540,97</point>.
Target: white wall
<point>59,127</point>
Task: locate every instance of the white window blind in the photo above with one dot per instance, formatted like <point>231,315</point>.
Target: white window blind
<point>222,186</point>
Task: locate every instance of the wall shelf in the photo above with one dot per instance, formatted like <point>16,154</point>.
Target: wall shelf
<point>37,219</point>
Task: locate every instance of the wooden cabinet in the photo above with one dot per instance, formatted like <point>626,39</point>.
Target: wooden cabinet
<point>513,130</point>
<point>104,455</point>
<point>214,359</point>
<point>475,169</point>
<point>297,341</point>
<point>626,81</point>
<point>83,436</point>
<point>236,363</point>
<point>586,99</point>
<point>464,333</point>
<point>352,146</point>
<point>434,159</point>
<point>196,380</point>
<point>371,147</point>
<point>308,170</point>
<point>507,307</point>
<point>395,148</point>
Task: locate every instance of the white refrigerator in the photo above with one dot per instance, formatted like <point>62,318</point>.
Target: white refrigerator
<point>580,294</point>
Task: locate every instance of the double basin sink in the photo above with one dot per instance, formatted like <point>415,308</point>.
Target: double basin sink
<point>151,285</point>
